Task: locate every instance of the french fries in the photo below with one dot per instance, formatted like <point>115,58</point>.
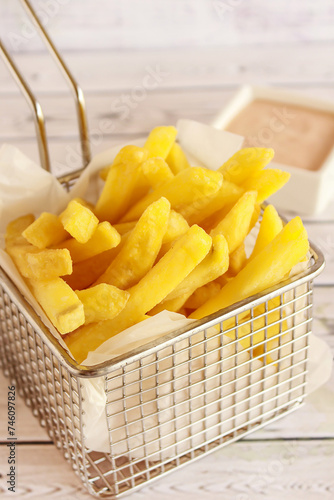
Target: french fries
<point>102,302</point>
<point>178,262</point>
<point>141,248</point>
<point>245,163</point>
<point>161,235</point>
<point>235,225</point>
<point>79,221</point>
<point>268,268</point>
<point>188,188</point>
<point>45,231</point>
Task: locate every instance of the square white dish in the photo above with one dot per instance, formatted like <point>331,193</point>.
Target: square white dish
<point>308,191</point>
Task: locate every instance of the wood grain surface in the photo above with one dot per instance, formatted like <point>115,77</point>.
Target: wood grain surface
<point>202,59</point>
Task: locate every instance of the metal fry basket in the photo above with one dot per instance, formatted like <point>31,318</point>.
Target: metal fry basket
<point>173,400</point>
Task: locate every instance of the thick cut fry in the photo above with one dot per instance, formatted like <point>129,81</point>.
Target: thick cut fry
<point>15,229</point>
<point>238,259</point>
<point>44,264</point>
<point>86,272</point>
<point>128,154</point>
<point>160,141</point>
<point>102,302</point>
<point>177,226</point>
<point>60,303</point>
<point>245,163</point>
<point>104,238</point>
<point>131,154</point>
<point>185,255</point>
<point>202,294</point>
<point>270,226</point>
<point>79,221</point>
<point>266,183</point>
<point>177,159</point>
<point>268,268</point>
<point>45,231</point>
<point>173,305</point>
<point>125,227</point>
<point>124,186</point>
<point>18,254</point>
<point>235,226</point>
<point>218,206</point>
<point>141,249</point>
<point>215,264</point>
<point>84,203</point>
<point>189,187</point>
<point>157,172</point>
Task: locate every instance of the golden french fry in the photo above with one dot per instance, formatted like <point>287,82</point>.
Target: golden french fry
<point>44,264</point>
<point>157,172</point>
<point>45,231</point>
<point>79,221</point>
<point>84,203</point>
<point>215,264</point>
<point>177,159</point>
<point>235,225</point>
<point>125,227</point>
<point>86,272</point>
<point>183,257</point>
<point>15,229</point>
<point>202,294</point>
<point>173,305</point>
<point>160,141</point>
<point>127,154</point>
<point>270,226</point>
<point>104,238</point>
<point>268,268</point>
<point>218,206</point>
<point>266,183</point>
<point>238,259</point>
<point>177,226</point>
<point>141,248</point>
<point>102,302</point>
<point>131,154</point>
<point>187,188</point>
<point>255,216</point>
<point>124,186</point>
<point>245,163</point>
<point>60,303</point>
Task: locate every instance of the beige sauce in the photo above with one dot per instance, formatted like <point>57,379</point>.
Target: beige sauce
<point>299,136</point>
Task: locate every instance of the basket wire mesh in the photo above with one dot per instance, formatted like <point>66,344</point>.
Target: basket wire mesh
<point>171,401</point>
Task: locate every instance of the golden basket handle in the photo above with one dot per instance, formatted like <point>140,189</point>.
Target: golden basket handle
<point>37,110</point>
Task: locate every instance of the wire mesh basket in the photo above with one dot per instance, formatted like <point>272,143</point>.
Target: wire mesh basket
<point>173,400</point>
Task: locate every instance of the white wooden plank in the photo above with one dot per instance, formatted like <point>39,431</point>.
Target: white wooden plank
<point>241,471</point>
<point>277,64</point>
<point>109,115</point>
<point>177,23</point>
<point>27,426</point>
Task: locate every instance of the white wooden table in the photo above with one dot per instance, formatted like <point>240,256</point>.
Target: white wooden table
<point>292,458</point>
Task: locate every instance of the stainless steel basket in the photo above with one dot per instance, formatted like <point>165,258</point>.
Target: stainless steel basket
<point>173,400</point>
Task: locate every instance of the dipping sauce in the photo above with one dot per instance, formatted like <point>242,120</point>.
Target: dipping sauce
<point>301,137</point>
